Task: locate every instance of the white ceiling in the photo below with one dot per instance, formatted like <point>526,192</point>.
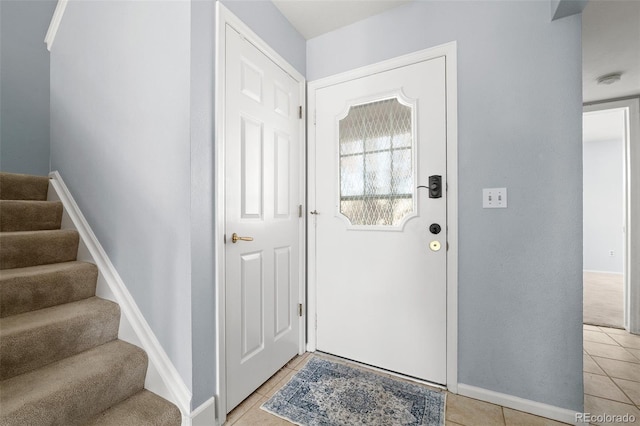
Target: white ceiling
<point>610,36</point>
<point>315,17</point>
<point>610,43</point>
<point>603,126</point>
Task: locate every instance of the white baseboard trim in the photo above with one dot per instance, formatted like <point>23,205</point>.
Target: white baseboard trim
<point>520,404</point>
<point>162,376</point>
<point>204,415</point>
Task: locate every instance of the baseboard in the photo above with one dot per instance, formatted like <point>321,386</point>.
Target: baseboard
<point>162,376</point>
<point>204,415</point>
<point>520,404</point>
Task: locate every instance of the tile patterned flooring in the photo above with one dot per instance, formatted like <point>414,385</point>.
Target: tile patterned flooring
<point>611,385</point>
<point>611,371</point>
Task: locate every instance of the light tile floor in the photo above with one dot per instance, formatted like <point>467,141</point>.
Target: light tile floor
<point>611,386</point>
<point>611,371</point>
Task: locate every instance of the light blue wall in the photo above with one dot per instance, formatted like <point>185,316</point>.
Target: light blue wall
<point>520,111</point>
<point>203,300</point>
<point>603,204</point>
<point>120,137</point>
<point>24,86</point>
<point>269,24</point>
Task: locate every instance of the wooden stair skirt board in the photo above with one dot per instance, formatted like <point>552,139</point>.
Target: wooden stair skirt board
<point>62,361</point>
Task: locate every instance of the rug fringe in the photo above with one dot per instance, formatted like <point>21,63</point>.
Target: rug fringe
<point>262,407</point>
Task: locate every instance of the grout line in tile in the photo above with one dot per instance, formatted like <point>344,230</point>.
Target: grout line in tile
<point>614,382</point>
<point>613,359</point>
<point>621,390</point>
<point>248,408</point>
<point>609,399</point>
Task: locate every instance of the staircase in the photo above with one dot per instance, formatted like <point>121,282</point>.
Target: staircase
<point>61,362</point>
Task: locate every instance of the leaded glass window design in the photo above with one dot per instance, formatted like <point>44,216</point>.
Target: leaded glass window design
<point>376,163</point>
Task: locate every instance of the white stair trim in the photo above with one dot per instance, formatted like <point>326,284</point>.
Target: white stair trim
<point>520,404</point>
<point>58,13</point>
<point>162,376</point>
<point>204,415</point>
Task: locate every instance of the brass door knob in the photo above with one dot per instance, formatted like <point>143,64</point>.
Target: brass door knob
<point>235,238</point>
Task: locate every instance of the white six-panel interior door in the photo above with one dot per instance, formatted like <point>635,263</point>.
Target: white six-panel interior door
<point>263,182</point>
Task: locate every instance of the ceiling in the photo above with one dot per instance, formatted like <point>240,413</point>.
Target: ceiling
<point>315,17</point>
<point>610,43</point>
<point>610,35</point>
<point>603,126</point>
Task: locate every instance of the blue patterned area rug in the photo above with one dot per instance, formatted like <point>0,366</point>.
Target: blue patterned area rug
<point>330,394</point>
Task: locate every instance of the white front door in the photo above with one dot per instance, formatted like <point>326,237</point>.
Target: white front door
<point>262,230</point>
<point>381,262</point>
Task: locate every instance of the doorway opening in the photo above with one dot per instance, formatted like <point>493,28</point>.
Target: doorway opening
<point>610,214</point>
<point>604,134</point>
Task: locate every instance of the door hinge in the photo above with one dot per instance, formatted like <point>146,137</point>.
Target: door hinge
<point>224,238</point>
<point>300,111</point>
<point>300,210</point>
<point>299,309</point>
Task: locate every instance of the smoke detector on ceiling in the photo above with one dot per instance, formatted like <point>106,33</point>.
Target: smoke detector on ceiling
<point>610,78</point>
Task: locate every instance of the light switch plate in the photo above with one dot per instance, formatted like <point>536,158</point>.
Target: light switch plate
<point>494,198</point>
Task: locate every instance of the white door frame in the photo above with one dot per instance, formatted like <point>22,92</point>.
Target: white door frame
<point>448,51</point>
<point>224,17</point>
<point>631,265</point>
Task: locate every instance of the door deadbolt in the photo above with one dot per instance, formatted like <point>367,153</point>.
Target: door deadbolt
<point>435,186</point>
<point>435,228</point>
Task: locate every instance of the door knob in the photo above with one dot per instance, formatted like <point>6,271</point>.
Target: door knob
<point>235,238</point>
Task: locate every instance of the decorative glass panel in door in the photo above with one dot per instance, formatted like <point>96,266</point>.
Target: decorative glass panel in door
<point>377,163</point>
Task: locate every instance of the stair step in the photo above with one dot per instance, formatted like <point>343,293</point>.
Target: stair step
<point>38,287</point>
<point>14,186</point>
<point>142,409</point>
<point>75,389</point>
<point>35,339</point>
<point>31,248</point>
<point>27,215</point>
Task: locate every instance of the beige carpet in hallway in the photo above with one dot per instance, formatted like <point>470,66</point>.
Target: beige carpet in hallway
<point>603,299</point>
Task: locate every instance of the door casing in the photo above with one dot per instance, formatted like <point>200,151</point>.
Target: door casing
<point>448,51</point>
<point>225,17</point>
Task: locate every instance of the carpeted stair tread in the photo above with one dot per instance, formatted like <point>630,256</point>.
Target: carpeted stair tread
<point>75,389</point>
<point>35,339</point>
<point>31,248</point>
<point>61,362</point>
<point>38,287</point>
<point>142,409</point>
<point>15,186</point>
<point>24,215</point>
